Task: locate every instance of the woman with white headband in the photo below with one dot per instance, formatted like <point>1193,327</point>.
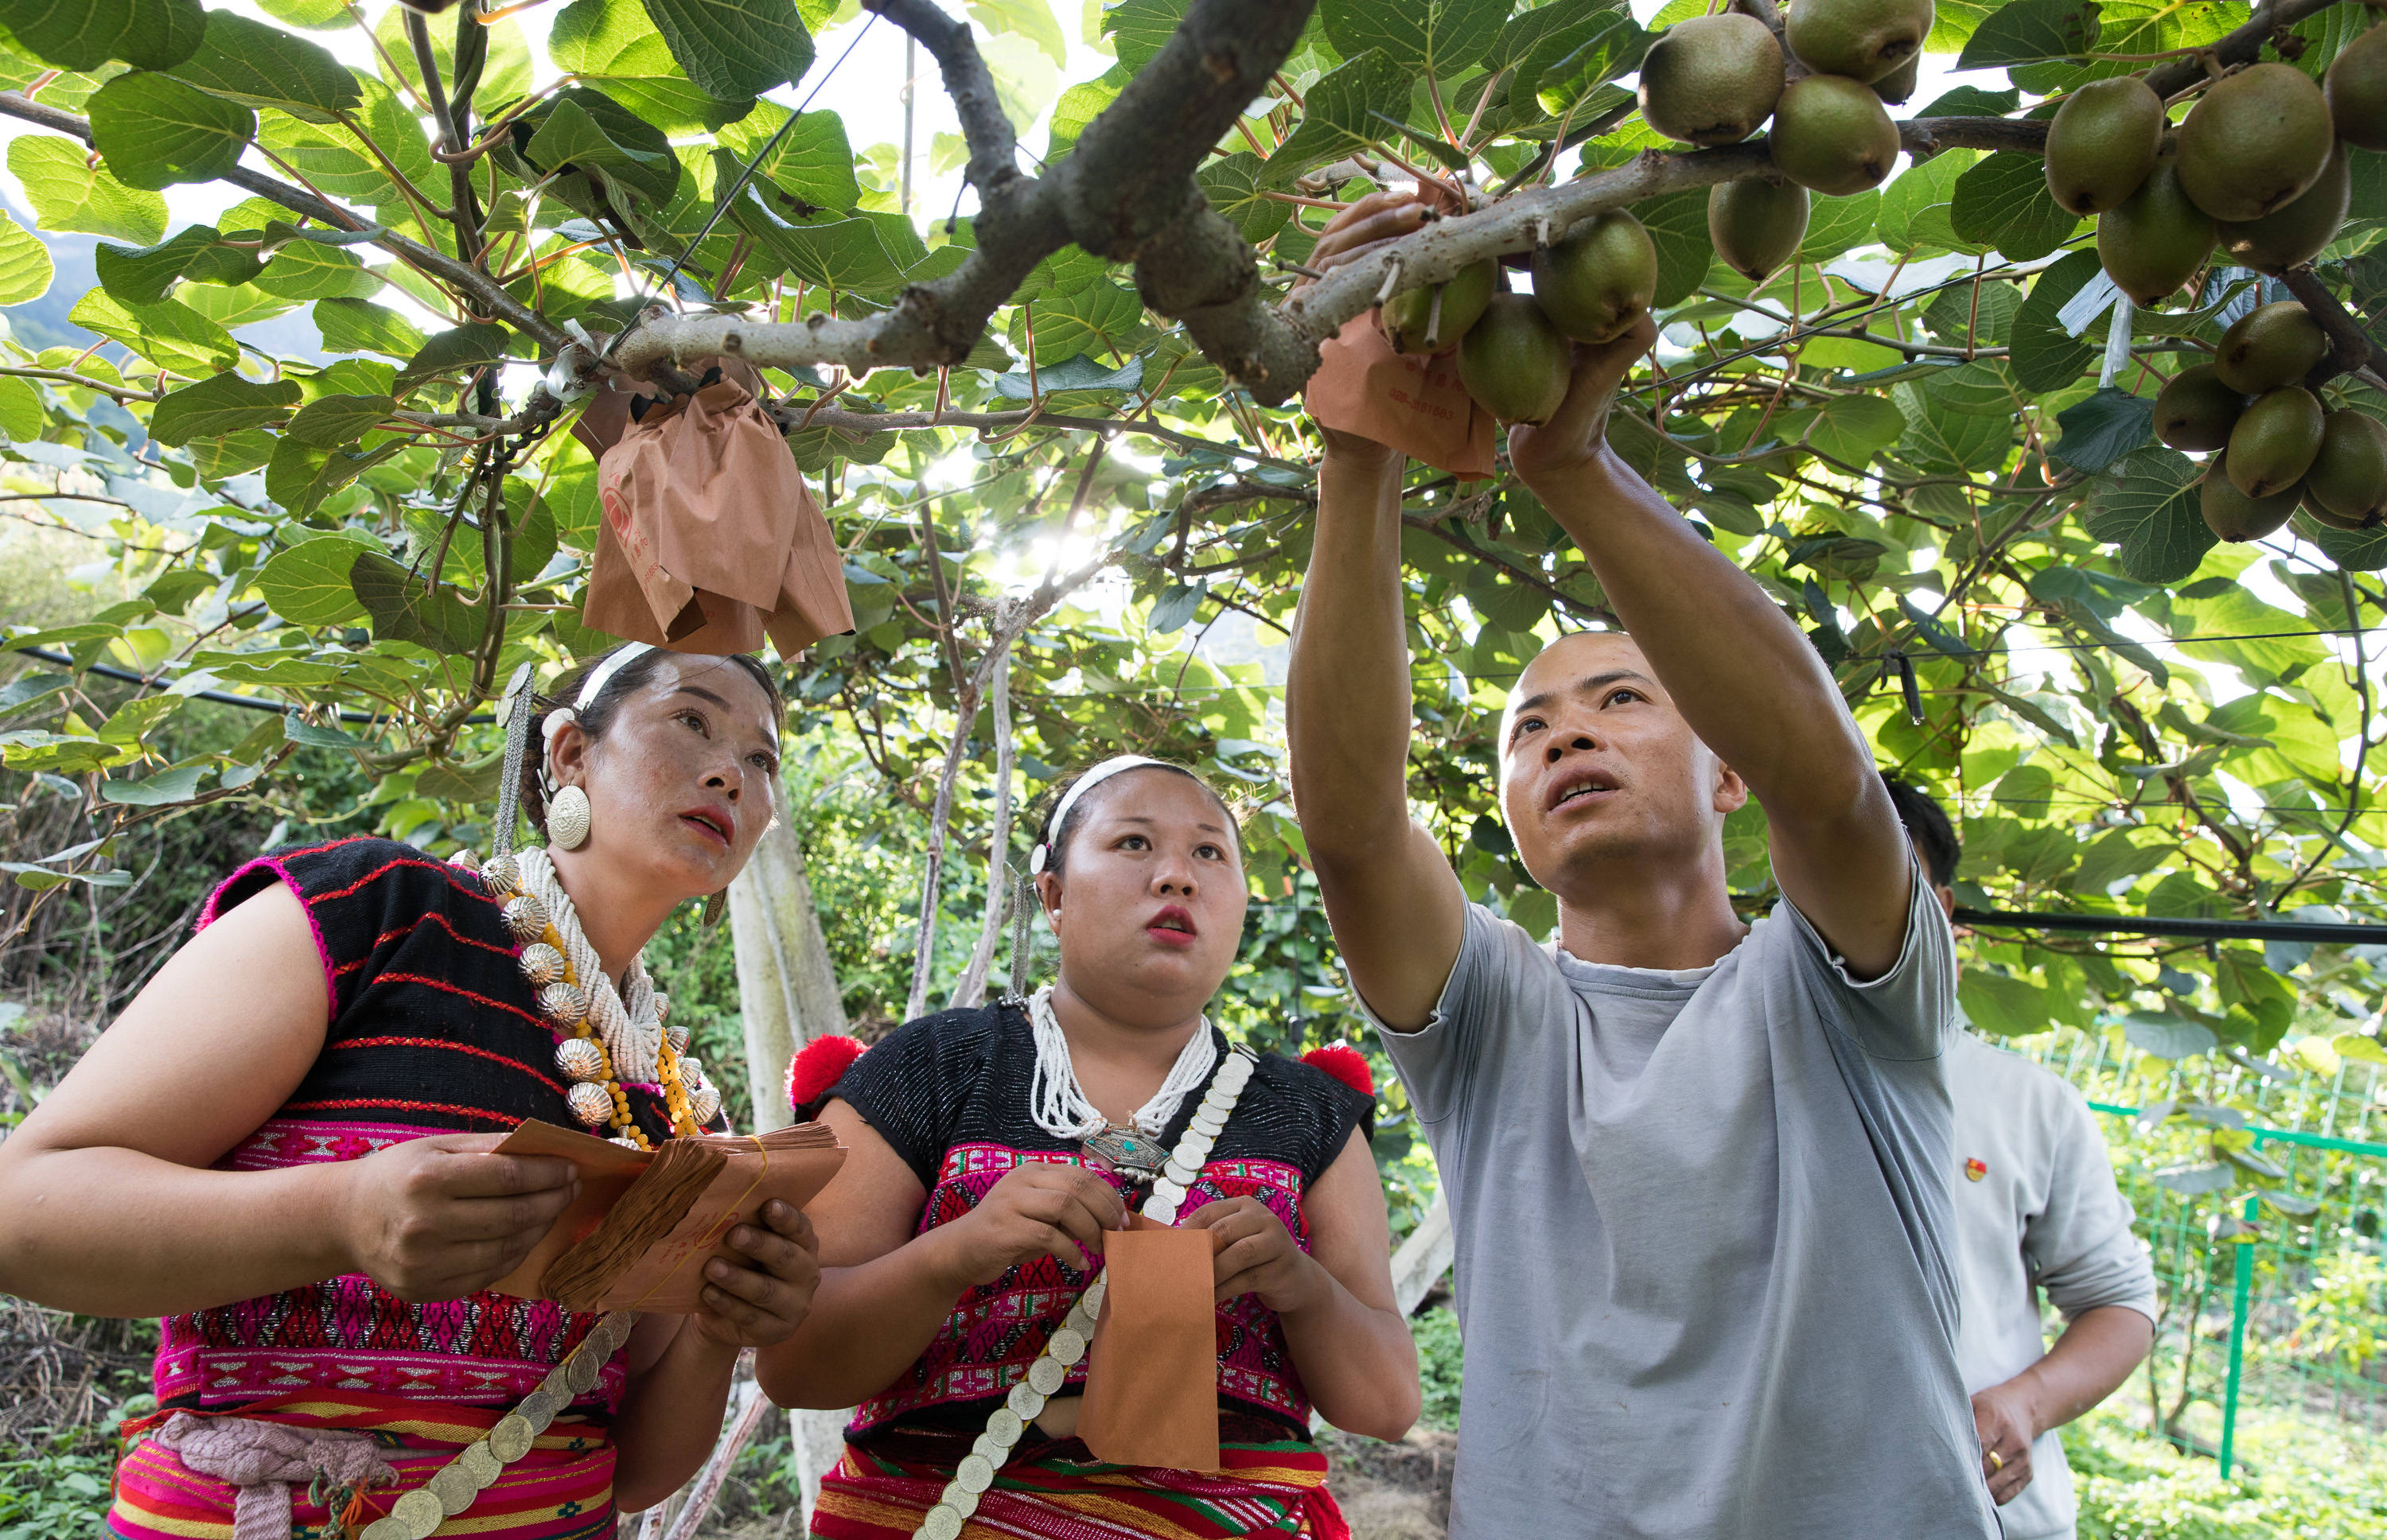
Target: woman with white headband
<point>284,1146</point>
<point>993,1150</point>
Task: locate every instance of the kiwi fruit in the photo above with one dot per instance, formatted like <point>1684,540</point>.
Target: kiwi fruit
<point>1832,136</point>
<point>1598,277</point>
<point>2268,346</point>
<point>2196,410</point>
<point>2231,514</point>
<point>2154,240</point>
<point>1863,40</point>
<point>1416,325</point>
<point>1514,363</point>
<point>2103,142</point>
<point>1757,224</point>
<point>2255,142</point>
<point>2355,89</point>
<point>2349,474</point>
<point>2274,441</point>
<point>1898,87</point>
<point>1711,79</point>
<point>2297,231</point>
<point>2320,513</point>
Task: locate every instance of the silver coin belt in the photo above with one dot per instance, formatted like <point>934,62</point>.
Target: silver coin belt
<point>451,1491</point>
<point>1045,1377</point>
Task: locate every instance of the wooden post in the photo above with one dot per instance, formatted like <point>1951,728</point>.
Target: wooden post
<point>787,986</point>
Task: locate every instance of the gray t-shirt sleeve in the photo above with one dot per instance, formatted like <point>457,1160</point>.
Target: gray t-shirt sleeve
<point>1906,1012</point>
<point>2079,1248</point>
<point>1439,1060</point>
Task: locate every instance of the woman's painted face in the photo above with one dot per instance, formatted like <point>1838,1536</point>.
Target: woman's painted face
<point>686,778</point>
<point>1150,907</point>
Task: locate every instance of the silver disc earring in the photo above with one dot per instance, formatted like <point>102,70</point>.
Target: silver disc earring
<point>567,819</point>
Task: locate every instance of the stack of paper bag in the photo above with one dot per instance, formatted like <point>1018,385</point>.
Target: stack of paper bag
<point>1405,401</point>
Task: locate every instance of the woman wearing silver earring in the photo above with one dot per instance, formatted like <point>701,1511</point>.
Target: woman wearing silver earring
<point>284,1146</point>
<point>992,1150</point>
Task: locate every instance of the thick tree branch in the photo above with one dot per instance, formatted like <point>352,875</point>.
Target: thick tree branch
<point>2241,46</point>
<point>484,291</point>
<point>2351,347</point>
<point>795,414</point>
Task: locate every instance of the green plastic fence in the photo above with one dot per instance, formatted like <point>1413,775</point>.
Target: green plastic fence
<point>2263,1202</point>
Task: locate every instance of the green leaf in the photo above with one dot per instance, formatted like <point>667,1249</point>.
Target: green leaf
<point>2002,202</point>
<point>1074,373</point>
<point>1836,224</point>
<point>312,737</point>
<point>307,585</point>
<point>301,477</point>
<point>1941,440</point>
<point>2045,357</point>
<point>1231,182</point>
<point>166,786</point>
<point>147,276</point>
<point>1101,318</point>
<point>734,49</point>
<point>848,253</point>
<point>2151,511</point>
<point>68,195</point>
<point>505,74</point>
<point>1339,115</point>
<point>217,458</point>
<point>2030,32</point>
<point>304,270</point>
<point>813,164</point>
<point>170,335</point>
<point>1139,28</point>
<point>2167,1037</point>
<point>2101,429</point>
<point>21,417</point>
<point>1614,45</point>
<point>453,351</point>
<point>2001,1005</point>
<point>1031,19</point>
<point>246,61</point>
<point>331,161</point>
<point>1678,228</point>
<point>1439,37</point>
<point>573,135</point>
<point>1078,105</point>
<point>24,263</point>
<point>314,15</point>
<point>355,326</point>
<point>84,34</point>
<point>219,406</point>
<point>332,422</point>
<point>403,609</point>
<point>1851,428</point>
<point>1915,208</point>
<point>2355,549</point>
<point>153,131</point>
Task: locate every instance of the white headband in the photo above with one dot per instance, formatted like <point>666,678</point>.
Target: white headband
<point>1084,784</point>
<point>594,686</point>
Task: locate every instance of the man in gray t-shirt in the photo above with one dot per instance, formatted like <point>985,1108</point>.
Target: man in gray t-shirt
<point>1695,1167</point>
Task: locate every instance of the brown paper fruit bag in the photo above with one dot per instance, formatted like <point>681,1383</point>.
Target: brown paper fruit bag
<point>1152,1375</point>
<point>710,537</point>
<point>1402,401</point>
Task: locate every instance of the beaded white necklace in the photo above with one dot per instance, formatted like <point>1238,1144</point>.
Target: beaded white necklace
<point>1008,1422</point>
<point>1059,1103</point>
<point>632,1031</point>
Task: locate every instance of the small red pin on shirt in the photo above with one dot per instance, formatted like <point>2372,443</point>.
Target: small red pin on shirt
<point>1975,1169</point>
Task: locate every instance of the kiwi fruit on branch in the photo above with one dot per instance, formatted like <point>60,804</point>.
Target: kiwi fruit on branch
<point>2102,142</point>
<point>2274,441</point>
<point>1594,281</point>
<point>1863,40</point>
<point>1757,224</point>
<point>2155,240</point>
<point>1712,80</point>
<point>2349,473</point>
<point>2268,346</point>
<point>1832,136</point>
<point>2255,142</point>
<point>1432,318</point>
<point>2231,514</point>
<point>1514,363</point>
<point>2196,411</point>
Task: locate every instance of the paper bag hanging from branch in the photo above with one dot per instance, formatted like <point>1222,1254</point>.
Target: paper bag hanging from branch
<point>710,539</point>
<point>1405,401</point>
<point>1152,1375</point>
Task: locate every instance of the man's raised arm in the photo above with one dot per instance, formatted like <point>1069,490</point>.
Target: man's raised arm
<point>1397,909</point>
<point>1743,676</point>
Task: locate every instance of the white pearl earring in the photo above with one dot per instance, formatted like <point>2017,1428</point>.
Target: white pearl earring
<point>567,819</point>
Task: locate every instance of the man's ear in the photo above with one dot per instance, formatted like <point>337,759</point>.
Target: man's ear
<point>1947,897</point>
<point>1731,792</point>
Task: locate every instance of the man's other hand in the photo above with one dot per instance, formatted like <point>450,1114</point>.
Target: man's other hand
<point>1578,431</point>
<point>2002,1418</point>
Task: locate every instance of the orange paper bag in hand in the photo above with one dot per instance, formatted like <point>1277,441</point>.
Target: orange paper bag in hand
<point>710,537</point>
<point>1405,401</point>
<point>1152,1375</point>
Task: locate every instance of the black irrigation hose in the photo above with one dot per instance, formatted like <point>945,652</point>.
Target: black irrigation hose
<point>250,702</point>
<point>2188,929</point>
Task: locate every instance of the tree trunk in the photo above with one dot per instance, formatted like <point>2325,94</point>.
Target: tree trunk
<point>787,986</point>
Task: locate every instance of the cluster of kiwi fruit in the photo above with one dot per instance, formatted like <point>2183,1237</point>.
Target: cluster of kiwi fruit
<point>1514,350</point>
<point>1708,81</point>
<point>2258,168</point>
<point>2275,446</point>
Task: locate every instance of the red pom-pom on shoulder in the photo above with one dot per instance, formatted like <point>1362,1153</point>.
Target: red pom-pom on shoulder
<point>1346,1064</point>
<point>819,1065</point>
